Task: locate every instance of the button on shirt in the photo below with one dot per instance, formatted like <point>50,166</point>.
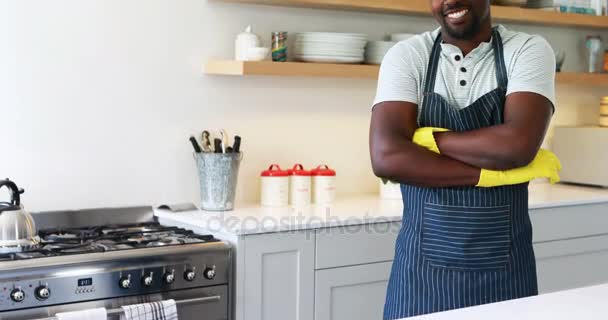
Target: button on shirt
<point>461,80</point>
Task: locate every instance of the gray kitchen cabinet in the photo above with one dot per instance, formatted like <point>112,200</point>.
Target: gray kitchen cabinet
<point>572,263</point>
<point>341,272</point>
<point>279,276</point>
<point>351,293</point>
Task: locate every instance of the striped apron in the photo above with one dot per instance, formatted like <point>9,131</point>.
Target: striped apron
<point>461,246</point>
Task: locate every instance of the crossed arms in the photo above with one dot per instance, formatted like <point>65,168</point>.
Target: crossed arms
<point>510,145</point>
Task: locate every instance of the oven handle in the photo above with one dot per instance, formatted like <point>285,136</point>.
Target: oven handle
<point>117,311</point>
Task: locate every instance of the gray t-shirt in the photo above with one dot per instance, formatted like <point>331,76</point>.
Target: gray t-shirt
<point>529,60</point>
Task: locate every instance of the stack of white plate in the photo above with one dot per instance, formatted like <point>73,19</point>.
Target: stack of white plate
<point>329,47</point>
<point>401,36</point>
<point>375,51</point>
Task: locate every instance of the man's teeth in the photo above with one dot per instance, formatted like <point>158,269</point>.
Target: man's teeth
<point>457,14</point>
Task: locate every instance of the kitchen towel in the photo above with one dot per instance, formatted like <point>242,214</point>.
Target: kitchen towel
<point>88,314</point>
<point>158,310</point>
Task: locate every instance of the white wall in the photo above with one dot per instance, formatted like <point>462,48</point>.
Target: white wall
<point>98,97</point>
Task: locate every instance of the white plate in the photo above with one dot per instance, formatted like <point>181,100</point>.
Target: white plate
<point>332,34</point>
<point>329,59</point>
<point>381,44</point>
<point>339,42</point>
<point>332,52</point>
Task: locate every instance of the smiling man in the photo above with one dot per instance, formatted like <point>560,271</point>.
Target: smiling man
<point>459,117</point>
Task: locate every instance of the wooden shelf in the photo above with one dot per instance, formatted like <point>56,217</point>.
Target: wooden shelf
<point>291,69</point>
<point>421,7</point>
<point>303,69</point>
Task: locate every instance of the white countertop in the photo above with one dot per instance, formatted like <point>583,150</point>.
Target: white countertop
<point>352,210</point>
<point>583,303</point>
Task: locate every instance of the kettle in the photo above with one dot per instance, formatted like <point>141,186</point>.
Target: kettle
<point>17,227</point>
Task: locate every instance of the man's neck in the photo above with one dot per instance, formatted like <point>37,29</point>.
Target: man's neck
<point>467,45</point>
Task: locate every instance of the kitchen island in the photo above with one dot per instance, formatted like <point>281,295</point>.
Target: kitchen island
<point>587,303</point>
<point>333,262</point>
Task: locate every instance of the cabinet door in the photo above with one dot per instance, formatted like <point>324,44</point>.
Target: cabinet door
<point>279,276</point>
<point>574,263</point>
<point>351,293</point>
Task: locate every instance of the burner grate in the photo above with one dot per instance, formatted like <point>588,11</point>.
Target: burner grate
<point>69,241</point>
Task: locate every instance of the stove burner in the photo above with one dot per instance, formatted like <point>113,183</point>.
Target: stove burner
<point>69,241</point>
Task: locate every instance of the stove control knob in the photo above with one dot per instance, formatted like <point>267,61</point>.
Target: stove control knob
<point>209,273</point>
<point>125,282</point>
<point>17,295</point>
<point>169,277</point>
<point>189,275</point>
<point>43,292</point>
<point>147,279</point>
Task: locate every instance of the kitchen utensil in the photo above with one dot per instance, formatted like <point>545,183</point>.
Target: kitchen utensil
<point>206,141</point>
<point>324,185</point>
<point>224,138</point>
<point>300,182</point>
<point>243,42</point>
<point>218,176</point>
<point>236,147</point>
<point>195,145</point>
<point>18,229</point>
<point>217,144</point>
<point>257,54</point>
<point>275,187</point>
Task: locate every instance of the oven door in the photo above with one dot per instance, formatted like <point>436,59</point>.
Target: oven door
<point>210,303</point>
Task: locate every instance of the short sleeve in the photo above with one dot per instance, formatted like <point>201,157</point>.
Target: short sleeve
<point>534,69</point>
<point>397,80</point>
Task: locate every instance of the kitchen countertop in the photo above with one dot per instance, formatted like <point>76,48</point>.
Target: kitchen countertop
<point>583,303</point>
<point>352,210</point>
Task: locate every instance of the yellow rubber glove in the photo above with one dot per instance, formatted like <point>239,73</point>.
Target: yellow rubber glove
<point>424,137</point>
<point>545,165</point>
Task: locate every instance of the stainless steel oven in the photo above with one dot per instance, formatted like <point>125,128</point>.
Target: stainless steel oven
<point>79,266</point>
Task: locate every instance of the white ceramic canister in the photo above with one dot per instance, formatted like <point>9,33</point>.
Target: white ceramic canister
<point>300,183</point>
<point>323,185</point>
<point>275,187</point>
<point>244,41</point>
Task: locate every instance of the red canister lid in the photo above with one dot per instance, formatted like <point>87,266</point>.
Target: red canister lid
<point>275,171</point>
<point>323,170</point>
<point>298,170</point>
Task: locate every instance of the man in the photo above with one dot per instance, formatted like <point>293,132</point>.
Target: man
<point>458,120</point>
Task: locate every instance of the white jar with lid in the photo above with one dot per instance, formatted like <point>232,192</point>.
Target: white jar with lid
<point>299,186</point>
<point>275,187</point>
<point>245,41</point>
<point>323,185</point>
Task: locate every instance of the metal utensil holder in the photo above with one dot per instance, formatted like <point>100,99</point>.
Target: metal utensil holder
<point>218,175</point>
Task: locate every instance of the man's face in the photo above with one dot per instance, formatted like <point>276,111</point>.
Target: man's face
<point>461,19</point>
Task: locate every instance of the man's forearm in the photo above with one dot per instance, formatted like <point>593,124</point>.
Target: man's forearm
<point>510,145</point>
<point>497,148</point>
<point>411,164</point>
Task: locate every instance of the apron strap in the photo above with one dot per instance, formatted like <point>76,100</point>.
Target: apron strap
<point>431,70</point>
<point>499,59</point>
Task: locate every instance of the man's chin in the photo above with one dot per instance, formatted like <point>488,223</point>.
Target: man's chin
<point>461,32</point>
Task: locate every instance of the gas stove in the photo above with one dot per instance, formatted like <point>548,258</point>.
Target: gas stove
<point>112,257</point>
<point>68,241</point>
